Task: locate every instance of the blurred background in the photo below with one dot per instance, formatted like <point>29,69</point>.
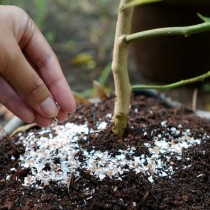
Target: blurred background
<point>81,33</point>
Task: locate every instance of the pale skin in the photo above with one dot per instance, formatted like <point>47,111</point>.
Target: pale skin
<point>31,79</point>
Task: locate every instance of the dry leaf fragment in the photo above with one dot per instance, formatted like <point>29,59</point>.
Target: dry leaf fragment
<point>80,100</point>
<point>81,59</point>
<point>23,128</point>
<point>70,182</point>
<point>100,90</point>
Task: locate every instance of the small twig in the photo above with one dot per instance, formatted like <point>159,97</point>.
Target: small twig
<point>70,182</point>
<point>168,31</point>
<point>145,196</point>
<point>135,3</point>
<point>194,99</point>
<point>174,85</point>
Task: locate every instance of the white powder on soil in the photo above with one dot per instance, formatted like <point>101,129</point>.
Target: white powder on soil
<point>52,158</point>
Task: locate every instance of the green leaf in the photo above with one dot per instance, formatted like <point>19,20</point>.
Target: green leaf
<point>105,74</point>
<point>134,3</point>
<point>204,18</point>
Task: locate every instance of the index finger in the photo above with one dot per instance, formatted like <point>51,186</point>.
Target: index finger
<point>38,51</point>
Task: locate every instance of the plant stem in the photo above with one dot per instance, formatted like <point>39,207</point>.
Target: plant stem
<point>168,31</point>
<point>120,70</point>
<point>174,85</point>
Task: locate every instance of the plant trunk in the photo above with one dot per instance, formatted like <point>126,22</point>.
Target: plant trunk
<point>120,69</point>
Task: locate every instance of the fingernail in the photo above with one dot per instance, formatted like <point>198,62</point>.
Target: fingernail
<point>49,107</point>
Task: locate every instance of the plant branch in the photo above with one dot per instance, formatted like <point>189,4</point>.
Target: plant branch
<point>174,85</point>
<point>120,69</point>
<point>168,31</point>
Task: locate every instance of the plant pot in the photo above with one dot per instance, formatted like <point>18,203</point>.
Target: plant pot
<point>172,58</point>
<point>161,163</point>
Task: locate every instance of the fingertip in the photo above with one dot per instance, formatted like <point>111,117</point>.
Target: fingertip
<point>24,113</point>
<point>42,121</point>
<point>62,116</point>
<point>73,106</point>
<point>28,118</point>
<point>63,95</point>
<point>69,105</point>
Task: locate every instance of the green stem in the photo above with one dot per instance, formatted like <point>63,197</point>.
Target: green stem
<point>168,31</point>
<point>173,85</point>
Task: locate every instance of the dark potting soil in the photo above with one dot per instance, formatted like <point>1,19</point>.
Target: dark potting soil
<point>163,162</point>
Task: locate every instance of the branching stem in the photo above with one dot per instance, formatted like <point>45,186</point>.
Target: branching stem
<point>174,85</point>
<point>168,31</point>
<point>120,61</point>
<point>120,70</point>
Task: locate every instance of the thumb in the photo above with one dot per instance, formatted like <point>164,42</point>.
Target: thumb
<point>26,82</point>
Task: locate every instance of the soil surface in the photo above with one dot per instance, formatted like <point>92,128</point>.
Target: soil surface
<point>163,161</point>
<point>82,34</point>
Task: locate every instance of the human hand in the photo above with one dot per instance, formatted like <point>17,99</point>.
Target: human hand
<point>31,79</point>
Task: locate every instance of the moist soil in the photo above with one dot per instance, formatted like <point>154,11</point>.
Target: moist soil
<point>185,186</point>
